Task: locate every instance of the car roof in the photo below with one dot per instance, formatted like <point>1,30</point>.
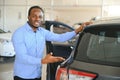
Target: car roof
<point>109,20</point>
<point>105,21</point>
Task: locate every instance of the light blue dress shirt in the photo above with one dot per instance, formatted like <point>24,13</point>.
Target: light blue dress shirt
<point>29,47</point>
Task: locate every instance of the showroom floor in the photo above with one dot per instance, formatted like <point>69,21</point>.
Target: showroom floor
<point>6,70</point>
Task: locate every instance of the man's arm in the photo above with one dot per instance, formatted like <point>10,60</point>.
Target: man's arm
<point>51,59</point>
<point>82,27</point>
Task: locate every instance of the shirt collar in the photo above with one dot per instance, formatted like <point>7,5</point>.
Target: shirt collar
<point>28,27</point>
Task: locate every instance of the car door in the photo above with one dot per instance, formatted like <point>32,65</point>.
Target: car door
<point>62,49</point>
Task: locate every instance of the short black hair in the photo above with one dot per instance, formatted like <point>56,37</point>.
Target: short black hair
<point>38,7</point>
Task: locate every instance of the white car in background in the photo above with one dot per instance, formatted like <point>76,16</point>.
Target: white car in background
<point>6,47</point>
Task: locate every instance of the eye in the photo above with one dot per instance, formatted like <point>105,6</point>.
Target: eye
<point>40,17</point>
<point>33,16</point>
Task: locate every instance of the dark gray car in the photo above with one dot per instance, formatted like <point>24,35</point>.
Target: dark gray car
<point>96,55</point>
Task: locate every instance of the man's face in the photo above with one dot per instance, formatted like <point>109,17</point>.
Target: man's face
<point>35,17</point>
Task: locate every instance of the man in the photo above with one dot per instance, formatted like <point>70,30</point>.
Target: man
<point>29,42</point>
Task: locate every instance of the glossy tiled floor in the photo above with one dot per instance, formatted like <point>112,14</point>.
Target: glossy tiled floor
<point>6,70</point>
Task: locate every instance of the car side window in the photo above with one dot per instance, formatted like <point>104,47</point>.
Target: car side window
<point>59,29</point>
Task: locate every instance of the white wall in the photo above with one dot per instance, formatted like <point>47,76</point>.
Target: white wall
<point>15,16</point>
<point>1,17</point>
<point>77,15</point>
<point>13,13</point>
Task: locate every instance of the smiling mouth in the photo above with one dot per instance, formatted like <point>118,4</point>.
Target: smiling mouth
<point>37,23</point>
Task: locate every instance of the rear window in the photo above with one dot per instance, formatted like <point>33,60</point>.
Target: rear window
<point>100,45</point>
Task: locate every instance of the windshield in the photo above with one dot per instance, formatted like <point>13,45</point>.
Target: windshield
<point>100,45</point>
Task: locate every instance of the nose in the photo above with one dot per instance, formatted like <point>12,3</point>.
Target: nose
<point>38,18</point>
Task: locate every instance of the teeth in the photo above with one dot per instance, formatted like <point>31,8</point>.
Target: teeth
<point>37,23</point>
